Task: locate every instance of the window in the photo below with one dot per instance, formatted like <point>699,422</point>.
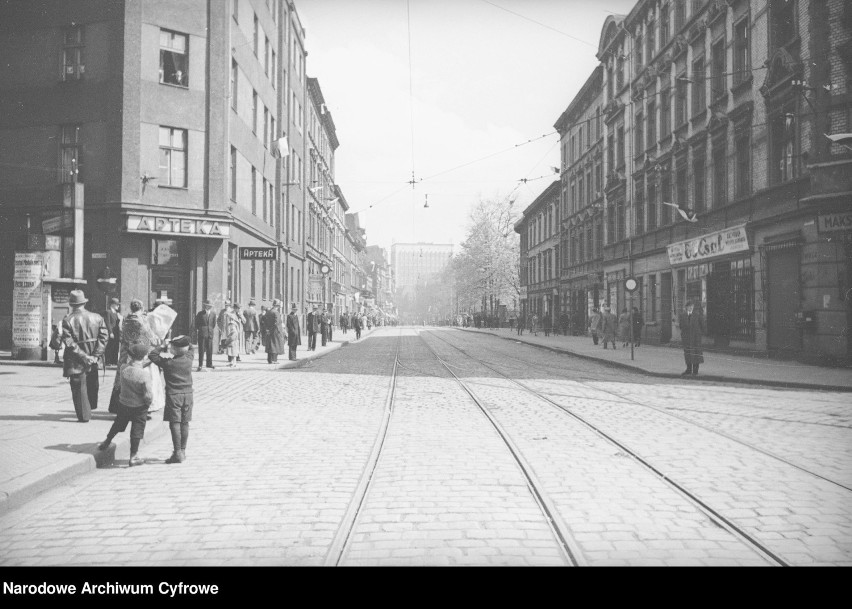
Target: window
<point>233,174</point>
<point>679,14</point>
<point>681,183</point>
<point>274,67</point>
<point>782,141</point>
<point>172,157</point>
<point>69,153</point>
<point>598,238</point>
<point>254,191</point>
<point>698,173</point>
<point>649,42</point>
<point>610,84</point>
<point>572,154</point>
<point>782,22</point>
<point>234,84</point>
<point>652,204</point>
<point>580,141</point>
<point>72,53</point>
<point>619,146</point>
<point>652,123</point>
<point>639,142</point>
<point>589,135</point>
<point>267,56</point>
<point>266,202</point>
<point>718,67</point>
<point>742,53</point>
<point>680,100</point>
<point>265,127</point>
<point>639,204</point>
<point>272,137</point>
<point>619,73</point>
<point>256,38</point>
<point>254,112</point>
<point>720,182</point>
<point>699,103</point>
<point>637,50</point>
<point>598,180</point>
<point>174,53</point>
<point>664,25</point>
<point>742,145</point>
<point>666,195</point>
<point>619,221</point>
<point>581,191</point>
<point>665,111</point>
<point>235,12</point>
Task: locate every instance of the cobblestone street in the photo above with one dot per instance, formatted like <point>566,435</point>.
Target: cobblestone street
<point>606,467</point>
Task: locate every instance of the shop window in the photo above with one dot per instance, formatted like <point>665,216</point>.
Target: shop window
<point>742,295</point>
<point>174,58</point>
<point>173,157</point>
<point>165,252</point>
<point>651,305</point>
<point>72,53</point>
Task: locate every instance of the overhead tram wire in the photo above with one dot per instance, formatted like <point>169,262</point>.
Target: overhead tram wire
<point>553,29</point>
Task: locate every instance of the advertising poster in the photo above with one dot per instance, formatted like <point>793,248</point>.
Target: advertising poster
<point>27,300</point>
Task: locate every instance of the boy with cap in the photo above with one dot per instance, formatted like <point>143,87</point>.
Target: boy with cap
<point>176,364</point>
<point>135,397</point>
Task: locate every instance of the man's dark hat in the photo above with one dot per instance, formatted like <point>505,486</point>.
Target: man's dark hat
<point>180,341</point>
<point>113,301</point>
<point>77,298</point>
<point>207,302</point>
<point>294,307</point>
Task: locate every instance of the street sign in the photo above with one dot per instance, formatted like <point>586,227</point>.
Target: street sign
<point>630,284</point>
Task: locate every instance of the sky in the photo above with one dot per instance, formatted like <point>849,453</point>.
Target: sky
<point>452,91</point>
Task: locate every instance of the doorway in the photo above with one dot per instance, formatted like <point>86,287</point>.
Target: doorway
<point>665,307</point>
<point>784,299</point>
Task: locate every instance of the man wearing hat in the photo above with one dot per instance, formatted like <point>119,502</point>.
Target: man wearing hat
<point>251,327</point>
<point>275,340</point>
<point>323,321</point>
<point>692,329</point>
<point>84,335</point>
<point>312,327</point>
<point>205,326</point>
<point>112,318</point>
<point>294,332</point>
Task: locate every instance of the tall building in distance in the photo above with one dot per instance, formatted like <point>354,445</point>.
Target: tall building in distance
<point>414,263</point>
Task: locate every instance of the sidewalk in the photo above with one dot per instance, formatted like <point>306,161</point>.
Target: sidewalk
<point>43,445</point>
<point>667,362</point>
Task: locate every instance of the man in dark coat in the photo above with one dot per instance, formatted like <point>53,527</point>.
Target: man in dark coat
<point>84,335</point>
<point>691,330</point>
<point>251,327</point>
<point>112,319</point>
<point>294,332</point>
<point>312,327</point>
<point>344,322</point>
<point>275,342</point>
<point>205,326</point>
<point>356,325</point>
<point>324,326</point>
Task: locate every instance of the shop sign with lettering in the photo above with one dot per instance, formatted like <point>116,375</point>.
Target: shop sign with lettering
<point>188,227</point>
<point>258,253</point>
<point>835,223</point>
<point>712,245</point>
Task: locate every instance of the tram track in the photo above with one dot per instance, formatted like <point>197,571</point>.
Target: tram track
<point>714,515</point>
<point>683,418</point>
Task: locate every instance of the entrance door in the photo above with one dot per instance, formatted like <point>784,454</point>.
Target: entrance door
<point>719,303</point>
<point>665,307</point>
<point>170,279</point>
<point>784,299</point>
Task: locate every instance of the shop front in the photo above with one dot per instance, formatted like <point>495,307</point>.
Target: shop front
<point>716,270</point>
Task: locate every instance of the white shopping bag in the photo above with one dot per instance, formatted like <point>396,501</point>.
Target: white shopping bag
<point>161,319</point>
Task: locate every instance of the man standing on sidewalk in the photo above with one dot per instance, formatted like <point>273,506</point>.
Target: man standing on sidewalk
<point>205,326</point>
<point>84,335</point>
<point>112,318</point>
<point>251,327</point>
<point>323,322</point>
<point>595,324</point>
<point>356,325</point>
<point>294,332</point>
<point>312,327</point>
<point>691,330</point>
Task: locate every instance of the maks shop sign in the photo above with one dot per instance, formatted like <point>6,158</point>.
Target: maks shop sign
<point>187,227</point>
<point>712,245</point>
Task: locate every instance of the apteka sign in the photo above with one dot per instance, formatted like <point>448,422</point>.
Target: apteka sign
<point>187,227</point>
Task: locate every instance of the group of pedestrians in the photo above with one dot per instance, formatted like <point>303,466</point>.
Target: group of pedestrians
<point>627,327</point>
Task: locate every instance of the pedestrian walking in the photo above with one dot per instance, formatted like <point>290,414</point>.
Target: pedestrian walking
<point>609,326</point>
<point>241,330</point>
<point>294,331</point>
<point>323,323</point>
<point>344,322</point>
<point>84,335</point>
<point>691,330</point>
<point>624,322</point>
<point>312,326</point>
<point>534,324</point>
<point>176,363</point>
<point>205,327</point>
<point>261,325</point>
<point>356,325</point>
<point>637,326</point>
<point>595,324</point>
<point>136,396</point>
<point>230,332</point>
<point>522,320</point>
<point>251,327</point>
<point>112,319</point>
<point>547,324</point>
<point>55,343</point>
<point>564,322</point>
<point>275,340</point>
